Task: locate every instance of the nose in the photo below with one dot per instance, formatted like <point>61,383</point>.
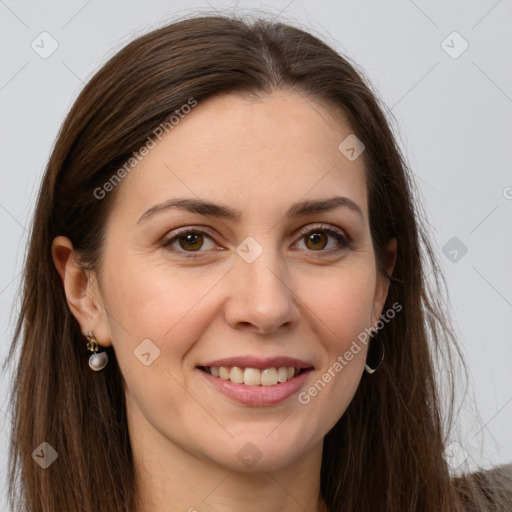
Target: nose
<point>261,296</point>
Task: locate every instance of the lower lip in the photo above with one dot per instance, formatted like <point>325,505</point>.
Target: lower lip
<point>258,396</point>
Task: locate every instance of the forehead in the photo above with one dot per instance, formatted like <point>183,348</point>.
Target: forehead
<point>260,153</point>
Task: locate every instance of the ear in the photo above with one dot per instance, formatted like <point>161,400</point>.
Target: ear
<point>82,291</point>
<point>382,286</point>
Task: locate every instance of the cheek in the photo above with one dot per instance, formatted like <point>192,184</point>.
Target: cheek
<point>342,304</point>
<point>342,300</point>
<point>160,310</point>
<point>156,314</point>
<point>154,301</point>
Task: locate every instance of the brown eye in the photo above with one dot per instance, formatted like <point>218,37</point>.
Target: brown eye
<point>316,240</point>
<point>188,242</point>
<point>191,241</point>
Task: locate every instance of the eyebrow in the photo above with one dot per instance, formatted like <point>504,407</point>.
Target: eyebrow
<point>208,208</point>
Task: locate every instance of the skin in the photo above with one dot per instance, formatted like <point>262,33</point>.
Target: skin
<point>296,299</point>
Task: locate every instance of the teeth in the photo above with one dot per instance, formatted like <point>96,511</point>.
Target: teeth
<point>269,377</point>
<point>282,374</point>
<point>253,376</point>
<point>236,375</point>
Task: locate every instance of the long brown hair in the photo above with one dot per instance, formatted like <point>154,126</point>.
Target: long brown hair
<point>386,451</point>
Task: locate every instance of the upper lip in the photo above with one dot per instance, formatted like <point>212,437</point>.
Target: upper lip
<point>261,363</point>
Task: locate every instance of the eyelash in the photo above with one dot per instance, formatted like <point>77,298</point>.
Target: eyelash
<point>175,235</point>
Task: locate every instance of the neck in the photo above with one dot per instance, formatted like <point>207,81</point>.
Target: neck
<point>169,476</point>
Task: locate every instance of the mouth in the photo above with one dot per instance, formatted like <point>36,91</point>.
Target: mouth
<point>257,382</point>
<point>249,376</point>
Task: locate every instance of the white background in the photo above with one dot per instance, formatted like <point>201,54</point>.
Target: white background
<point>452,117</point>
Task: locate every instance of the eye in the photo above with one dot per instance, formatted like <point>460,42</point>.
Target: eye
<point>317,238</point>
<point>189,241</point>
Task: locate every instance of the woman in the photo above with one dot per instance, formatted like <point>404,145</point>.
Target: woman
<point>225,302</point>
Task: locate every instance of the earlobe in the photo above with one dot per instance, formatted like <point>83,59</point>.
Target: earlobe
<point>78,284</point>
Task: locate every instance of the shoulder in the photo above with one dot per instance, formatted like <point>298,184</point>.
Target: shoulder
<point>491,489</point>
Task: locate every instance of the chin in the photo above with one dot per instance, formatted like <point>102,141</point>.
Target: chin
<point>255,450</point>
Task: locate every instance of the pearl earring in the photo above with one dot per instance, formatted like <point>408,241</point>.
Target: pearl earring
<point>97,360</point>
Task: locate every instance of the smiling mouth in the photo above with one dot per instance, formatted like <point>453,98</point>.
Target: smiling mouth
<point>254,376</point>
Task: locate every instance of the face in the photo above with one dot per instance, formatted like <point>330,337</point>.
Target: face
<point>258,285</point>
